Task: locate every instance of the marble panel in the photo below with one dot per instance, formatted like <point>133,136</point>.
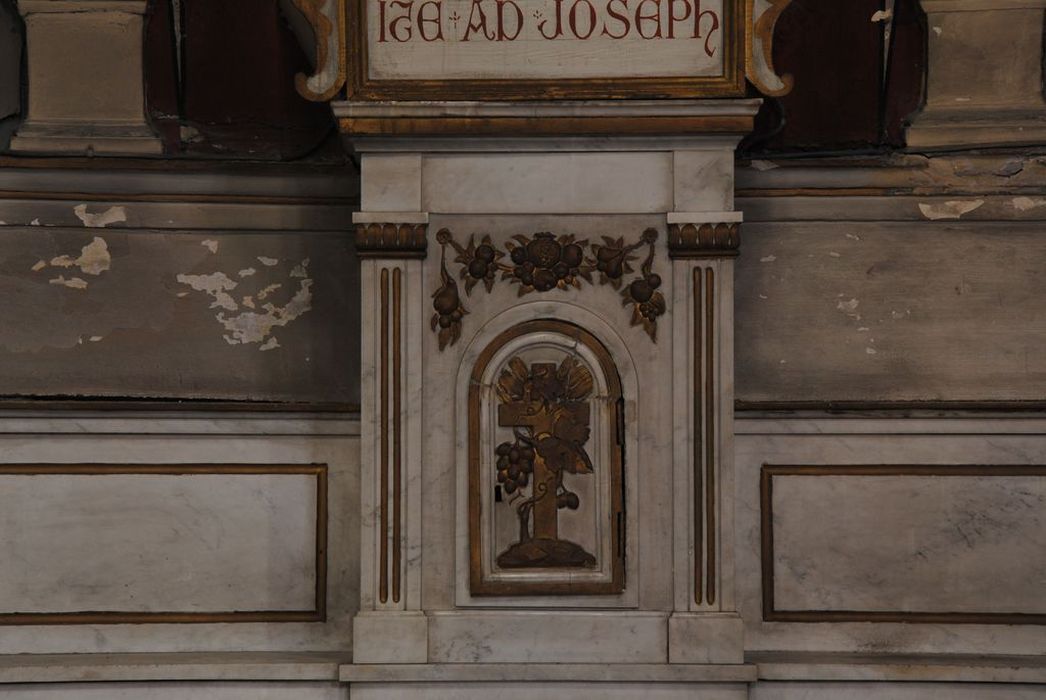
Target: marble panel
<point>341,453</point>
<point>895,691</point>
<point>703,180</point>
<point>548,637</point>
<point>177,691</point>
<point>519,183</point>
<point>910,542</point>
<point>940,442</point>
<point>154,542</point>
<point>390,183</point>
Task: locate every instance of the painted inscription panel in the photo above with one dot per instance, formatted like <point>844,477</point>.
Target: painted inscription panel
<point>537,47</point>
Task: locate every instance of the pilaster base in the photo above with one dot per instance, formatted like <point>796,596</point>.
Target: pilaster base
<point>390,638</point>
<point>966,131</point>
<point>705,638</point>
<point>81,139</point>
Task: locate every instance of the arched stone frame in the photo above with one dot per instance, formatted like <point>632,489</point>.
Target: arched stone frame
<point>509,331</point>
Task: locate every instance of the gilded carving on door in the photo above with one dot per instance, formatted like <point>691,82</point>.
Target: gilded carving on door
<point>546,460</point>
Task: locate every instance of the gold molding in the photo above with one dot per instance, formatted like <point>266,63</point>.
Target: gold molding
<point>703,240</point>
<point>710,438</point>
<point>317,614</point>
<point>397,431</point>
<point>698,444</point>
<point>772,614</point>
<point>762,29</point>
<point>391,240</point>
<point>383,436</point>
<point>730,84</point>
<point>322,27</point>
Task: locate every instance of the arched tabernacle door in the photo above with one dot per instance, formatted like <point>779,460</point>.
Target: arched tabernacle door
<point>546,454</point>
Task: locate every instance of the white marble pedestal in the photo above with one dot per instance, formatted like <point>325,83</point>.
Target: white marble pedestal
<point>658,176</point>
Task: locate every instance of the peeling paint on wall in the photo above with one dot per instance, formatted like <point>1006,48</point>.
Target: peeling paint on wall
<point>217,285</point>
<point>72,282</point>
<point>253,325</point>
<point>136,330</point>
<point>268,262</point>
<point>111,215</point>
<point>94,258</point>
<point>1028,203</point>
<point>953,209</point>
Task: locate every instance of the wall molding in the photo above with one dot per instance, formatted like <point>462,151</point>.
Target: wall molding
<point>772,614</point>
<point>317,614</point>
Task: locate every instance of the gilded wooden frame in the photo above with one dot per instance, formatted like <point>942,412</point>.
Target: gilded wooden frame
<point>730,84</point>
<point>478,585</point>
<point>317,614</point>
<point>772,614</point>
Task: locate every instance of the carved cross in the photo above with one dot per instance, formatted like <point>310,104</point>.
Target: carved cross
<point>538,413</point>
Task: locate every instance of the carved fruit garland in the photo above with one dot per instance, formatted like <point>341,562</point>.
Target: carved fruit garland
<point>543,262</point>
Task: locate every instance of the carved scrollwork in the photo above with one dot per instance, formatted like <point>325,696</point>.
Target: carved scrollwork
<point>328,25</point>
<point>759,54</point>
<point>543,262</point>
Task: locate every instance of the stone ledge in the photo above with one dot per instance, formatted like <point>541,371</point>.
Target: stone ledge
<point>589,673</point>
<point>792,666</point>
<point>245,666</point>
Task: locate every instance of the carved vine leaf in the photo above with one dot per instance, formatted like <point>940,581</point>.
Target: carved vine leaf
<point>543,262</point>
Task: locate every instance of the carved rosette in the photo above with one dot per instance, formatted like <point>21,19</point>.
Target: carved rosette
<point>544,262</point>
<point>389,240</point>
<point>705,240</point>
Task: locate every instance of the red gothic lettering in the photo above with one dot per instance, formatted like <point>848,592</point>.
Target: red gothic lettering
<point>672,18</point>
<point>622,18</point>
<point>655,17</point>
<point>435,20</point>
<point>502,34</point>
<point>698,16</point>
<point>478,24</point>
<point>559,22</point>
<point>591,19</point>
<point>399,26</point>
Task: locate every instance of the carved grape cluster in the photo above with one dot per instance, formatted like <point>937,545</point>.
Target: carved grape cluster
<point>544,262</point>
<point>515,465</point>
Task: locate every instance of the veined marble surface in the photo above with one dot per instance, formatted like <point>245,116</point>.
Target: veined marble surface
<point>910,543</point>
<point>236,508</point>
<point>178,691</point>
<point>907,520</point>
<point>157,542</point>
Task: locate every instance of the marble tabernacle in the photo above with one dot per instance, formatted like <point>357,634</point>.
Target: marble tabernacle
<point>534,490</point>
<point>552,488</point>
